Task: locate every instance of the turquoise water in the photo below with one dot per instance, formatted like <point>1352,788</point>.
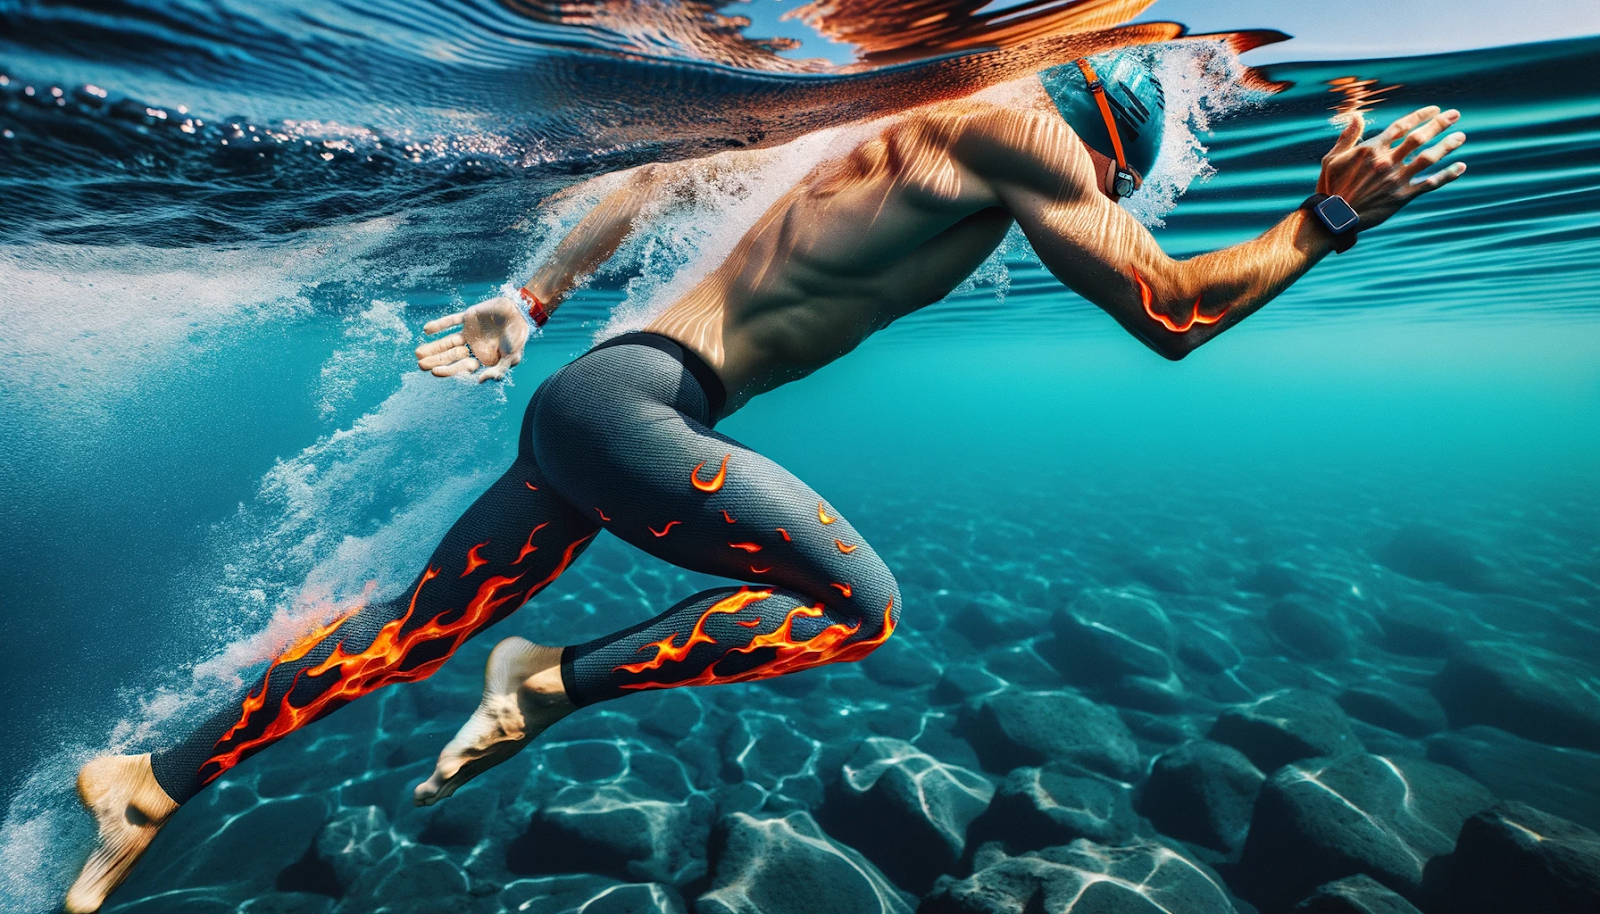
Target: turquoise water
<point>1384,483</point>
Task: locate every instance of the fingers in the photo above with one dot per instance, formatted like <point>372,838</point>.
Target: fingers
<point>1439,178</point>
<point>1351,134</point>
<point>440,345</point>
<point>1424,134</point>
<point>1430,157</point>
<point>444,323</point>
<point>493,372</point>
<point>464,366</point>
<point>453,354</point>
<point>1404,125</point>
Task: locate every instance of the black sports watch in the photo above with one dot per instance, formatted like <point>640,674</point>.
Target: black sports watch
<point>1337,217</point>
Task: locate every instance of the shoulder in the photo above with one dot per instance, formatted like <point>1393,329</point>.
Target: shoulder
<point>1009,144</point>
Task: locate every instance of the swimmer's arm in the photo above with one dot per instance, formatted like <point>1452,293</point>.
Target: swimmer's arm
<point>1039,171</point>
<point>594,239</point>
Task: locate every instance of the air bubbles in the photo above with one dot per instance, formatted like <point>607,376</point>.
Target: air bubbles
<point>94,90</point>
<point>55,91</point>
<point>8,134</point>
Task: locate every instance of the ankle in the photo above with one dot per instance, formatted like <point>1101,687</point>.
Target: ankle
<point>544,685</point>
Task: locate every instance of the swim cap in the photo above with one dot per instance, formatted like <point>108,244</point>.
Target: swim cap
<point>1134,96</point>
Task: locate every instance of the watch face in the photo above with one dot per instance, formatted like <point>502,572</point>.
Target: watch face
<point>1337,215</point>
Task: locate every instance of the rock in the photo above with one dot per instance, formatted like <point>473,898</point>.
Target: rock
<point>1418,627</point>
<point>414,879</point>
<point>1524,690</point>
<point>1325,819</point>
<point>1286,726</point>
<point>351,841</point>
<point>1016,728</point>
<point>1516,858</point>
<point>1082,878</point>
<point>1105,634</point>
<point>905,810</point>
<point>1202,792</point>
<point>1206,649</point>
<point>1272,581</point>
<point>1310,626</point>
<point>1355,895</point>
<point>288,903</point>
<point>459,821</point>
<point>1518,769</point>
<point>586,894</point>
<point>1406,710</point>
<point>900,662</point>
<point>1428,554</point>
<point>1055,804</point>
<point>251,845</point>
<point>989,620</point>
<point>766,750</point>
<point>789,866</point>
<point>624,829</point>
<point>962,681</point>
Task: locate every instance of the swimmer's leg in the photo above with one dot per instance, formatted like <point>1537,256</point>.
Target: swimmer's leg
<point>515,540</point>
<point>671,486</point>
<point>622,432</point>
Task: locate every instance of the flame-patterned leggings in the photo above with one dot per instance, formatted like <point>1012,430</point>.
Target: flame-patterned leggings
<point>618,440</point>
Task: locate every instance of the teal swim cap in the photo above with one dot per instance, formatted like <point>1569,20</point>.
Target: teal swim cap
<point>1134,98</point>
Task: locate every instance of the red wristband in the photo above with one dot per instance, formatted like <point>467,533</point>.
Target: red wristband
<point>535,308</point>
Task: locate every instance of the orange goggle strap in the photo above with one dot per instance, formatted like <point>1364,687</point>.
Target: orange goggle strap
<point>1099,91</point>
<point>536,308</point>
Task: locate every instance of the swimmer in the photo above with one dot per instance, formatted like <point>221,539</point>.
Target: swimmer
<point>623,439</point>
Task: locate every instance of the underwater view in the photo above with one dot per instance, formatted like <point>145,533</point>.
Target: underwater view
<point>1069,614</point>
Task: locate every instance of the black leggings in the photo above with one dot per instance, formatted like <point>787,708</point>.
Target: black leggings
<point>620,440</point>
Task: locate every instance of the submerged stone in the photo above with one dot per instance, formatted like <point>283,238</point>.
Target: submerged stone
<point>1052,805</point>
<point>1202,792</point>
<point>1310,626</point>
<point>1083,878</point>
<point>1325,819</point>
<point>905,810</point>
<point>789,866</point>
<point>1523,689</point>
<point>587,894</point>
<point>1355,895</point>
<point>622,829</point>
<point>1284,727</point>
<point>1517,858</point>
<point>1548,777</point>
<point>1406,710</point>
<point>1105,634</point>
<point>1429,554</point>
<point>1018,728</point>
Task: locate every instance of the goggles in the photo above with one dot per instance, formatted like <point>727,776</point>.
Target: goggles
<point>1125,180</point>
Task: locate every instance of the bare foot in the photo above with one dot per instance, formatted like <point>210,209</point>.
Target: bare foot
<point>522,697</point>
<point>130,807</point>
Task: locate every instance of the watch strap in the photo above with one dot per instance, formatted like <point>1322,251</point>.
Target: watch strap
<point>1342,241</point>
<point>536,308</point>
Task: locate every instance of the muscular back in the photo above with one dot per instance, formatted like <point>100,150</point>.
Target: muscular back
<point>860,242</point>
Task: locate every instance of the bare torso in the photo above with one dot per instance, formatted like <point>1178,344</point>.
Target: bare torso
<point>859,243</point>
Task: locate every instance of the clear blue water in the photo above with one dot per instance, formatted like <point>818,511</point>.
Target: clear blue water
<point>212,428</point>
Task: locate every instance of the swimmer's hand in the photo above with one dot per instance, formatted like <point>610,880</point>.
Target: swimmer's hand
<point>1381,175</point>
<point>492,336</point>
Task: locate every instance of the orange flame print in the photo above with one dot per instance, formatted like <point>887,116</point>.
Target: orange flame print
<point>716,481</point>
<point>529,548</point>
<point>663,531</point>
<point>474,560</point>
<point>822,514</point>
<point>831,645</point>
<point>845,549</point>
<point>843,588</point>
<point>384,661</point>
<point>531,486</point>
<point>747,547</point>
<point>666,652</point>
<point>728,517</point>
<point>783,533</point>
<point>1196,317</point>
<point>762,570</point>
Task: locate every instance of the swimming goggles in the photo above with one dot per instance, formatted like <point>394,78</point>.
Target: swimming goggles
<point>1126,180</point>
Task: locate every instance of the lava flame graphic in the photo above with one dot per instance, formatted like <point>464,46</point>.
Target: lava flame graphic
<point>831,645</point>
<point>716,481</point>
<point>1196,317</point>
<point>384,661</point>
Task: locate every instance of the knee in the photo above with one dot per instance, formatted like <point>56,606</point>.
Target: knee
<point>877,601</point>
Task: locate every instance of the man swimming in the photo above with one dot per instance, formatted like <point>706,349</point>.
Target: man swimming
<point>622,438</point>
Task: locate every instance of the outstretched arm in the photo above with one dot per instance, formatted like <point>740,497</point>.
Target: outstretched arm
<point>492,334</point>
<point>1038,170</point>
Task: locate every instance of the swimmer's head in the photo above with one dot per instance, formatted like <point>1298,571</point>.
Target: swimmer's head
<point>1130,100</point>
